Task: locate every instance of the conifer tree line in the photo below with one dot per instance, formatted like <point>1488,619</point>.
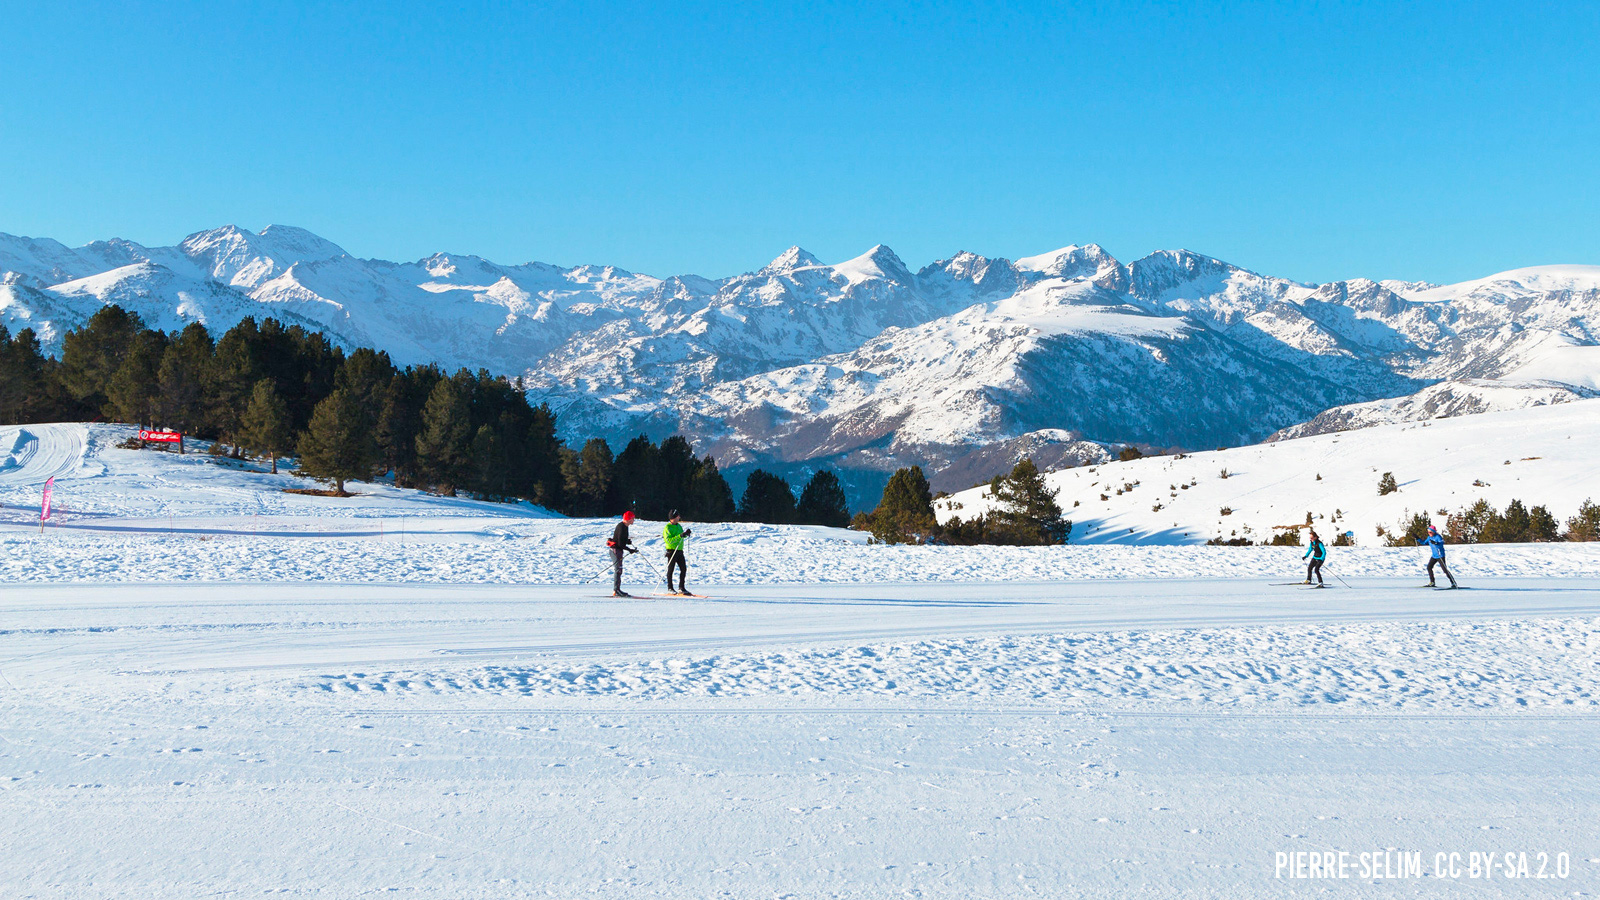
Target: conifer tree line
<point>278,391</point>
<point>1024,512</point>
<point>1481,523</point>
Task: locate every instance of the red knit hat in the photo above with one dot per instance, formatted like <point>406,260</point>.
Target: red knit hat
<point>628,516</point>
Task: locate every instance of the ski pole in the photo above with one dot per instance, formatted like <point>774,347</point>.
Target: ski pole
<point>652,566</point>
<point>1341,580</point>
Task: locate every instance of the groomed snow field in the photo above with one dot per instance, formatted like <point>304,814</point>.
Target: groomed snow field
<point>214,688</point>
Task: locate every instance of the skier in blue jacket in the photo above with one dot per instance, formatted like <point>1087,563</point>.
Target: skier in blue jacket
<point>1436,546</point>
<point>1317,552</point>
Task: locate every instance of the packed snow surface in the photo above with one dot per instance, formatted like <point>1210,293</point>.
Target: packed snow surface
<point>215,688</point>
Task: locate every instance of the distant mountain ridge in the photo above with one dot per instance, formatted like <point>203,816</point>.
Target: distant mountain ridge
<point>867,364</point>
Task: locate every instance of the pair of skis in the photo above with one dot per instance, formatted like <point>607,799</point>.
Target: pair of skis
<point>1302,584</point>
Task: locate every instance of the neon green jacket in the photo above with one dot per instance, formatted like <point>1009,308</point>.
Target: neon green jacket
<point>672,535</point>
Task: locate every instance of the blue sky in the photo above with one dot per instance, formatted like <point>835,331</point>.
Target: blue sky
<point>1436,141</point>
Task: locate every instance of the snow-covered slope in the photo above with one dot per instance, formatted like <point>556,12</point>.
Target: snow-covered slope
<point>1540,455</point>
<point>868,363</point>
<point>98,483</point>
<point>1440,401</point>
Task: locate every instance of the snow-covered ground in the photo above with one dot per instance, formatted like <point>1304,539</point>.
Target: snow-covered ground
<point>213,688</point>
<point>1540,455</point>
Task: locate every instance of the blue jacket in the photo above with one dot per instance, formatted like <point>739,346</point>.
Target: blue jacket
<point>1317,550</point>
<point>1436,544</point>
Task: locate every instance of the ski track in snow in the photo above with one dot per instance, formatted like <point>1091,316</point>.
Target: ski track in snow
<point>1398,666</point>
<point>569,553</point>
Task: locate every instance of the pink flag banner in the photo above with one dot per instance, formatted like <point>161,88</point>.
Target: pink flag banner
<point>44,505</point>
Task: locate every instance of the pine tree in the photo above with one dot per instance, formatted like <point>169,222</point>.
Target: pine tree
<point>185,369</point>
<point>444,452</point>
<point>91,355</point>
<point>1509,527</point>
<point>132,391</point>
<point>1585,526</point>
<point>675,467</point>
<point>366,373</point>
<point>25,382</point>
<point>1468,525</point>
<point>905,514</point>
<point>235,370</point>
<point>823,502</point>
<point>307,373</point>
<point>1413,530</point>
<point>1387,484</point>
<point>1542,526</point>
<point>638,479</point>
<point>265,425</point>
<point>544,458</point>
<point>767,498</point>
<point>489,465</point>
<point>398,422</point>
<point>588,477</point>
<point>338,443</point>
<point>1025,510</point>
<point>710,499</point>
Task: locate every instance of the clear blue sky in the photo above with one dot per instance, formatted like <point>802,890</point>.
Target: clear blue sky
<point>1436,141</point>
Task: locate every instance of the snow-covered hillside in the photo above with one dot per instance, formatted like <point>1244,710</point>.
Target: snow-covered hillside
<point>215,688</point>
<point>1540,455</point>
<point>869,364</point>
<point>1440,401</point>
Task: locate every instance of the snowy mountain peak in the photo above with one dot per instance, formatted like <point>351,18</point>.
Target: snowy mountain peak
<point>235,256</point>
<point>44,259</point>
<point>879,262</point>
<point>1071,261</point>
<point>463,270</point>
<point>989,276</point>
<point>1165,270</point>
<point>300,243</point>
<point>1520,282</point>
<point>793,258</point>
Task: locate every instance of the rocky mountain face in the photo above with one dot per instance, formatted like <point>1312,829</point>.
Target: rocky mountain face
<point>866,365</point>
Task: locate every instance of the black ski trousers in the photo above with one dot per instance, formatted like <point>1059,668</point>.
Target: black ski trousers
<point>675,558</point>
<point>1439,561</point>
<point>616,570</point>
<point>1315,568</point>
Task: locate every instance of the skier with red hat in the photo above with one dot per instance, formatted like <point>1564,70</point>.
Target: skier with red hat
<point>619,544</point>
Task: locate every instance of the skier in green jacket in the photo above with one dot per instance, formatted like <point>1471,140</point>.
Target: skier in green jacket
<point>672,535</point>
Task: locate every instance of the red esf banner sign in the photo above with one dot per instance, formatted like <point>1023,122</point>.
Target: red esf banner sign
<point>170,436</point>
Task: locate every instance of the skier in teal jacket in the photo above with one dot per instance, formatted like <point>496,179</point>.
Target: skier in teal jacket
<point>1317,552</point>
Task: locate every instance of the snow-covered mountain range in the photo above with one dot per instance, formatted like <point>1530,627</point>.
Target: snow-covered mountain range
<point>867,364</point>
